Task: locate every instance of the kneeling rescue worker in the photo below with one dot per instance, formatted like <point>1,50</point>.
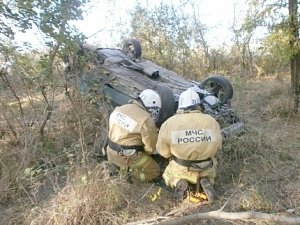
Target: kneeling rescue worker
<point>190,139</point>
<point>132,136</point>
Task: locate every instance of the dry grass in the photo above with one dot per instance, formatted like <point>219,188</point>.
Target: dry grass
<point>63,183</point>
<point>265,161</point>
<point>86,199</point>
<point>93,198</point>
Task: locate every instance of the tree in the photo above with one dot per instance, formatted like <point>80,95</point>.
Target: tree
<point>171,37</point>
<point>52,20</point>
<point>295,53</point>
<point>281,20</point>
<point>243,35</point>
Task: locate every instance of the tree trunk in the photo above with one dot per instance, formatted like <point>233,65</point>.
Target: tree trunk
<point>295,56</point>
<point>295,79</point>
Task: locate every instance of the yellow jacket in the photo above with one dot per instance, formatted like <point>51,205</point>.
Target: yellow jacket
<point>189,136</point>
<point>131,124</point>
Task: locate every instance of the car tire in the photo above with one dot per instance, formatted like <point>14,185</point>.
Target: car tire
<point>219,86</point>
<point>132,48</point>
<point>168,107</point>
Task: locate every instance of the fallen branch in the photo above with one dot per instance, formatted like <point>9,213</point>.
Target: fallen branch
<point>232,216</point>
<point>148,221</point>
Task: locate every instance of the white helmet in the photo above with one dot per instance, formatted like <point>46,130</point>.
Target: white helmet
<point>188,98</point>
<point>152,102</point>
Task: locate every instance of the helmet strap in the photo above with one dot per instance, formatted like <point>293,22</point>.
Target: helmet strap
<point>138,99</point>
<point>154,113</point>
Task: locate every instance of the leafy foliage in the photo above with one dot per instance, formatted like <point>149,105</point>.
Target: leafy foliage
<point>48,16</point>
<point>273,16</point>
<point>171,37</point>
<point>30,81</point>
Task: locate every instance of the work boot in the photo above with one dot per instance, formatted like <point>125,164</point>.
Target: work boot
<point>208,189</point>
<point>181,190</point>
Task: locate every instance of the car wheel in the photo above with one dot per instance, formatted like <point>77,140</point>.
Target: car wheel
<point>219,86</point>
<point>132,48</point>
<point>168,107</point>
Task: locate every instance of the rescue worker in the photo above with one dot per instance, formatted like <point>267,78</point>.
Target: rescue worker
<point>132,136</point>
<point>190,139</point>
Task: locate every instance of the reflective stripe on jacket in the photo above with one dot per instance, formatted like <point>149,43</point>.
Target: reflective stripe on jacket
<point>131,124</point>
<point>190,136</point>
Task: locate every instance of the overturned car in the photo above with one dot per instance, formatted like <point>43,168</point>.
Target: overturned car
<point>122,74</point>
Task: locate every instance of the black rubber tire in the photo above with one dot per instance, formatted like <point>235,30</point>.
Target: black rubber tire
<point>219,86</point>
<point>132,48</point>
<point>168,107</point>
